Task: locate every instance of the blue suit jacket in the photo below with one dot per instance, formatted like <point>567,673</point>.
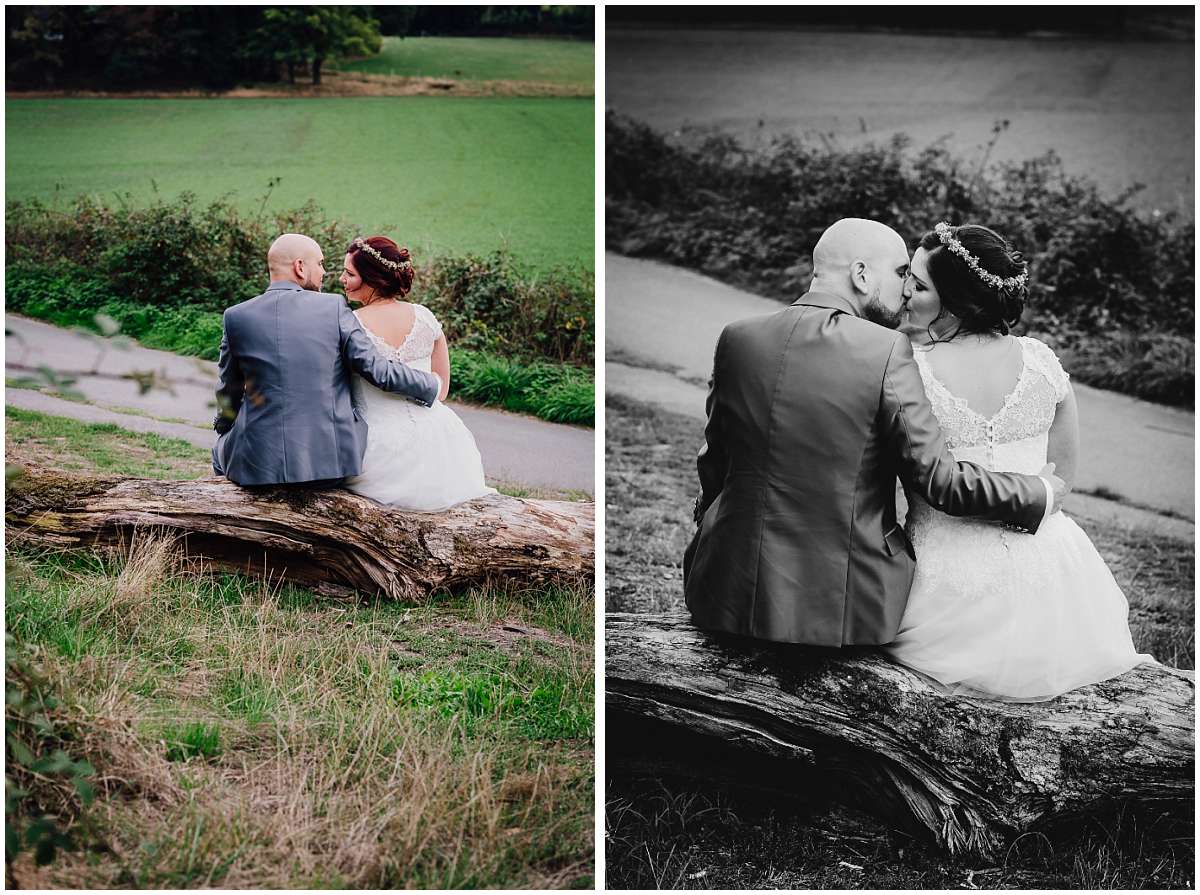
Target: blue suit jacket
<point>285,408</point>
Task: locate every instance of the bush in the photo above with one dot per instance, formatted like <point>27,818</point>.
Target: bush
<point>485,303</point>
<point>166,273</point>
<point>66,265</point>
<point>750,217</point>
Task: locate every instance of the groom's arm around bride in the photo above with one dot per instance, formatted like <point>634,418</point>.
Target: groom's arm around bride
<point>287,361</point>
<point>813,414</point>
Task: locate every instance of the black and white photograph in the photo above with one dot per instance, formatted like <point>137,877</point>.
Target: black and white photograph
<point>899,521</point>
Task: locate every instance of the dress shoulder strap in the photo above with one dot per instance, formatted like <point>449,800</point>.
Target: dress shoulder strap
<point>426,316</point>
<point>1039,357</point>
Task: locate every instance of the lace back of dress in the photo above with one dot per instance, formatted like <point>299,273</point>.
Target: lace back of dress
<point>1028,410</point>
<point>418,345</point>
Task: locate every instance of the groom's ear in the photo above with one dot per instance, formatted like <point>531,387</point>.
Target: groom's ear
<point>859,276</point>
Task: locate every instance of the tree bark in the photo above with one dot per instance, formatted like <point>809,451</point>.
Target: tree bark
<point>330,539</point>
<point>316,70</point>
<point>971,774</point>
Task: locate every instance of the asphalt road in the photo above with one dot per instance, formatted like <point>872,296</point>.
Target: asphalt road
<point>516,449</point>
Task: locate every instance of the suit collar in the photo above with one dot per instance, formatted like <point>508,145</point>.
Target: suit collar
<point>284,284</point>
<point>827,300</point>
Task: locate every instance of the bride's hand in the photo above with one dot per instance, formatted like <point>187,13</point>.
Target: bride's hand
<point>1058,485</point>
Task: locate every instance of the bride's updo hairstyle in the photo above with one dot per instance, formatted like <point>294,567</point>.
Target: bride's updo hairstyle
<point>382,265</point>
<point>974,292</point>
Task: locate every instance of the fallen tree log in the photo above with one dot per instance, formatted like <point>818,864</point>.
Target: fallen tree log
<point>970,774</point>
<point>329,539</point>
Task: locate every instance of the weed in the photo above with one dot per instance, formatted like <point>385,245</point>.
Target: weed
<point>193,740</point>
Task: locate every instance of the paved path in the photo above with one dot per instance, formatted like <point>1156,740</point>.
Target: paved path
<point>662,325</point>
<point>516,449</point>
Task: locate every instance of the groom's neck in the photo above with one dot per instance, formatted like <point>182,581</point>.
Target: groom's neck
<point>834,288</point>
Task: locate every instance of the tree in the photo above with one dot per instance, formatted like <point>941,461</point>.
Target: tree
<point>316,33</point>
<point>34,43</point>
<point>329,539</point>
<point>969,774</point>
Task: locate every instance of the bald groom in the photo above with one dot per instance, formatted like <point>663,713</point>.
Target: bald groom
<point>286,412</point>
<point>813,413</point>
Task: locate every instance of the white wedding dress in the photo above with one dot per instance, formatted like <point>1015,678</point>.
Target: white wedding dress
<point>417,458</point>
<point>995,612</point>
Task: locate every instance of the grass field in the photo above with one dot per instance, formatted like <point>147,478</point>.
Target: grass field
<point>670,834</point>
<point>1118,112</point>
<point>442,175</point>
<point>483,59</point>
<point>250,734</point>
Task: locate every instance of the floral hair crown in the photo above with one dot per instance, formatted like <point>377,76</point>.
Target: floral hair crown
<point>362,245</point>
<point>943,232</point>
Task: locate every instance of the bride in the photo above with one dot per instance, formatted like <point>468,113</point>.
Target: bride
<point>993,612</point>
<point>417,458</point>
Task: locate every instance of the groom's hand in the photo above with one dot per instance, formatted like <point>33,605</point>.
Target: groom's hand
<point>1057,485</point>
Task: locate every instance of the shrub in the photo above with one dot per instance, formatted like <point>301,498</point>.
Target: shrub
<point>46,787</point>
<point>486,303</point>
<point>166,272</point>
<point>751,217</point>
<point>183,259</point>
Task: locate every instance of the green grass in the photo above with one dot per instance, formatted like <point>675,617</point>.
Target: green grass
<point>73,446</point>
<point>279,737</point>
<point>556,392</point>
<point>195,740</point>
<point>251,734</point>
<point>483,59</point>
<point>442,175</point>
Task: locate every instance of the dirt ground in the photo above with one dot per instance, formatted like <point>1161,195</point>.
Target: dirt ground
<point>1118,112</point>
<point>338,84</point>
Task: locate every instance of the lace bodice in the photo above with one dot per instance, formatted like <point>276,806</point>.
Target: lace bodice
<point>1014,439</point>
<point>417,348</point>
<point>1027,410</point>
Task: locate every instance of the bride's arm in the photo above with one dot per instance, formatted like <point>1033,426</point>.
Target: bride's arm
<point>440,363</point>
<point>1063,449</point>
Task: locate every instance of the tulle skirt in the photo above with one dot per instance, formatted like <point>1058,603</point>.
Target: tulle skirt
<point>1012,616</point>
<point>418,458</point>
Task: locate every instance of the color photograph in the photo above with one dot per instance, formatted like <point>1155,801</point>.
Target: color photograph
<point>300,447</point>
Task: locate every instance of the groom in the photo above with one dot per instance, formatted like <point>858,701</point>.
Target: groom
<point>813,412</point>
<point>285,413</point>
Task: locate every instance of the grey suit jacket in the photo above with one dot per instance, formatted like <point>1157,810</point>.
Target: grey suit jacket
<point>813,413</point>
<point>285,411</point>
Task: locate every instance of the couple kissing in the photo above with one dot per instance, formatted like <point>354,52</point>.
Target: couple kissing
<point>897,368</point>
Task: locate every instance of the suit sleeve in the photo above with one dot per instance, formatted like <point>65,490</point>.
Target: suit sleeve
<point>928,468</point>
<point>712,463</point>
<point>385,373</point>
<point>231,389</point>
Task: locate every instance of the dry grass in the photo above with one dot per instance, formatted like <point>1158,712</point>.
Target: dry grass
<point>324,768</point>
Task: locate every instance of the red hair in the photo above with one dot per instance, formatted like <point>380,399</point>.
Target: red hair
<point>386,281</point>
